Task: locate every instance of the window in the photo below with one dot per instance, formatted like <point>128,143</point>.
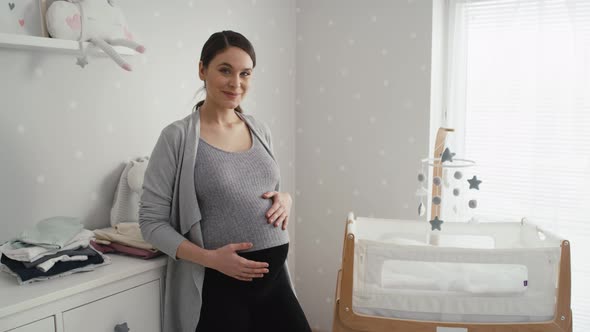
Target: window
<point>517,91</point>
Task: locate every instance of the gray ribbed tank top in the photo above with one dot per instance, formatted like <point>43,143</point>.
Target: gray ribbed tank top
<point>229,189</point>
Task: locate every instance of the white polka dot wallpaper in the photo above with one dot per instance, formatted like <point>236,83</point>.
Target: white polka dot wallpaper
<point>362,119</point>
<point>344,86</point>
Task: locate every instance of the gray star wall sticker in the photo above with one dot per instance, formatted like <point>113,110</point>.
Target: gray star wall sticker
<point>447,155</point>
<point>436,223</point>
<point>474,183</point>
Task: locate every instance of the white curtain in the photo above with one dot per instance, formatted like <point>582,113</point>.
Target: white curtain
<point>518,94</point>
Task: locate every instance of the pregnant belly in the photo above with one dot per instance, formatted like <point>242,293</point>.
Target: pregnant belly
<point>245,222</point>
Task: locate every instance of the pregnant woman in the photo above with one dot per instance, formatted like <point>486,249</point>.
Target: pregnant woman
<point>211,202</point>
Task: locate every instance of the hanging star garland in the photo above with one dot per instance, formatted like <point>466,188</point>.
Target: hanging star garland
<point>447,155</point>
<point>122,328</point>
<point>81,61</point>
<point>435,223</point>
<point>474,182</point>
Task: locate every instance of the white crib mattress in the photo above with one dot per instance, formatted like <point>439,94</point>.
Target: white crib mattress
<point>469,278</point>
<point>399,271</point>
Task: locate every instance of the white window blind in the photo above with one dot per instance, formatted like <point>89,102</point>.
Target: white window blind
<point>518,94</point>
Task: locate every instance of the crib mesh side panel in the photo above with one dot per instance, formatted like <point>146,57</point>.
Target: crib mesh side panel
<point>421,296</point>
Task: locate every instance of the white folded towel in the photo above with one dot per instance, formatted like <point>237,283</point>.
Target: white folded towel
<point>32,253</point>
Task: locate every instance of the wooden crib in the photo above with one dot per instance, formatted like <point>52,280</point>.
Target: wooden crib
<point>347,320</point>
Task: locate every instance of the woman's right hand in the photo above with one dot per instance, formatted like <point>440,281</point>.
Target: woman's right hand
<point>228,262</point>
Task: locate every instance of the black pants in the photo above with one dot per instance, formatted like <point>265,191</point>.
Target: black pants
<point>264,304</point>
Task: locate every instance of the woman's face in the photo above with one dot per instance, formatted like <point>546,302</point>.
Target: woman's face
<point>227,77</point>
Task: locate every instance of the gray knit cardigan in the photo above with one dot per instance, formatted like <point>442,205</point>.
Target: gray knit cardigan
<point>169,213</point>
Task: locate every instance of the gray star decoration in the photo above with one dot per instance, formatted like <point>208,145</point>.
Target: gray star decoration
<point>82,61</point>
<point>474,183</point>
<point>436,223</point>
<point>122,328</point>
<point>447,155</point>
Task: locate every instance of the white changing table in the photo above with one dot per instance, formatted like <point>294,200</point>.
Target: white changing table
<point>129,290</point>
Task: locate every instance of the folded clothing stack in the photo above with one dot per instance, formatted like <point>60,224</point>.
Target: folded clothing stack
<point>125,238</point>
<point>53,248</point>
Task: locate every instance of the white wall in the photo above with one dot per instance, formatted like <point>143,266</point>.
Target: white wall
<point>363,102</point>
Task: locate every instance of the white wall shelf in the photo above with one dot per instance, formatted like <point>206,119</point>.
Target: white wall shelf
<point>33,43</point>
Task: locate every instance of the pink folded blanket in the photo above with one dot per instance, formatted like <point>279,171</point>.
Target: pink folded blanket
<point>114,247</point>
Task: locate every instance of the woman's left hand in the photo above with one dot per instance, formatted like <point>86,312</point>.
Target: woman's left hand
<point>281,208</point>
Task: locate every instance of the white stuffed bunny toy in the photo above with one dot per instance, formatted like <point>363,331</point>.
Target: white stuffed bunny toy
<point>128,193</point>
<point>100,22</point>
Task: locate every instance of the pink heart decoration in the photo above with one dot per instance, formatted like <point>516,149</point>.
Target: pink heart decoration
<point>128,34</point>
<point>74,22</point>
<point>21,22</point>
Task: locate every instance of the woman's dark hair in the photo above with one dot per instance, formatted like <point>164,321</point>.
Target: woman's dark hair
<point>219,42</point>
